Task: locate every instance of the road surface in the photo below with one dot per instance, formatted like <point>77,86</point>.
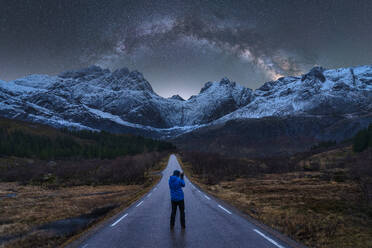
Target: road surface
<point>209,223</point>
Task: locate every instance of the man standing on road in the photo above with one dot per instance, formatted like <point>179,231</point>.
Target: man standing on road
<point>176,183</point>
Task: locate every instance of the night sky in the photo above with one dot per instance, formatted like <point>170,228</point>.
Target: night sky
<point>180,45</point>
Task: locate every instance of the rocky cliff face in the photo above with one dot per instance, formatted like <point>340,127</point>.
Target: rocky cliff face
<point>124,101</point>
<point>270,136</point>
<point>346,92</point>
<point>97,98</point>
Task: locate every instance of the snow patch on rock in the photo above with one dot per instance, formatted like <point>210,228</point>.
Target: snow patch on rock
<point>95,97</point>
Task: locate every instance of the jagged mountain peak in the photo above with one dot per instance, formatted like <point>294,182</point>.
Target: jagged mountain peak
<point>224,82</point>
<point>122,72</point>
<point>87,73</point>
<point>176,97</point>
<point>315,74</point>
<point>120,79</point>
<point>128,80</point>
<point>206,86</point>
<point>98,98</point>
<point>321,92</point>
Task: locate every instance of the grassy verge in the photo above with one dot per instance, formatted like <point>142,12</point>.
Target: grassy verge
<point>39,216</point>
<point>308,206</point>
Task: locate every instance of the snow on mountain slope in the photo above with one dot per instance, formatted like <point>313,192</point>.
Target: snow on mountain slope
<point>100,99</point>
<point>345,91</point>
<point>215,100</point>
<point>94,95</point>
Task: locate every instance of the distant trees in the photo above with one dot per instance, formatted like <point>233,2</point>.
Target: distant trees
<point>361,170</point>
<point>363,139</point>
<point>362,164</point>
<point>324,145</point>
<point>121,170</point>
<point>214,168</point>
<point>76,144</point>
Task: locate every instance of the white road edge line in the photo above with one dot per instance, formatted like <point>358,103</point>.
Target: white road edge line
<point>85,246</point>
<point>198,191</point>
<point>116,222</point>
<point>269,239</point>
<point>139,204</point>
<point>224,209</point>
<point>207,197</point>
<point>149,195</point>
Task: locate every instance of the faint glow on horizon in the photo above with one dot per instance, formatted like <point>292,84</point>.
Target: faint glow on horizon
<point>169,91</point>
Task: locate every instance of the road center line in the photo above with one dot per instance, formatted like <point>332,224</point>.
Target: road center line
<point>139,204</point>
<point>267,238</point>
<point>116,222</point>
<point>224,209</point>
<point>207,197</point>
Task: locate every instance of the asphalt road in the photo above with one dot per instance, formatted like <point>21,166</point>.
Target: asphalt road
<point>208,223</point>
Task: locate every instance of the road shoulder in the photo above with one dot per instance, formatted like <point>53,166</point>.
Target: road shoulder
<point>199,185</point>
<point>155,174</point>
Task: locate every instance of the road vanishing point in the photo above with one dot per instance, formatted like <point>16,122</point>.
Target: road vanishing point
<point>209,223</point>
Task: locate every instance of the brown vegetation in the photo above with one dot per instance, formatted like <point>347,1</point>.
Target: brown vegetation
<point>321,200</point>
<point>122,170</point>
<point>65,201</point>
<point>214,168</point>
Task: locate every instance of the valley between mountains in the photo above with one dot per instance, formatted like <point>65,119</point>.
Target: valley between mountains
<point>289,154</point>
<point>292,112</point>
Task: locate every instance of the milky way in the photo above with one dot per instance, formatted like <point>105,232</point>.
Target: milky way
<point>180,45</point>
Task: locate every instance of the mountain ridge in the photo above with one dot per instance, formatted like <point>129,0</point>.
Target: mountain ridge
<point>124,101</point>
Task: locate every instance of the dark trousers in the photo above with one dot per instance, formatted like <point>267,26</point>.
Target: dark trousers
<point>181,205</point>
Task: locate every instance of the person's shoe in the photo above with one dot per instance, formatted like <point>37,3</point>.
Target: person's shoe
<point>171,227</point>
<point>183,227</point>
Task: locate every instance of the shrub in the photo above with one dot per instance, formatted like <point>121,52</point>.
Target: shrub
<point>324,145</point>
<point>76,144</point>
<point>122,170</point>
<point>363,139</point>
<point>214,168</point>
<point>361,170</point>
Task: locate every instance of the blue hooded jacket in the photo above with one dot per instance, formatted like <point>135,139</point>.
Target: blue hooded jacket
<point>175,186</point>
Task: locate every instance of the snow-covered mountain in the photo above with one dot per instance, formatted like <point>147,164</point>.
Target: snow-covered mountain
<point>124,101</point>
<point>290,115</point>
<point>345,91</point>
<point>120,101</point>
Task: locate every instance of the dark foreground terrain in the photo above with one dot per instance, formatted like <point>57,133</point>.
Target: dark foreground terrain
<point>322,199</point>
<point>271,136</point>
<point>209,223</point>
<point>48,214</point>
<point>56,183</point>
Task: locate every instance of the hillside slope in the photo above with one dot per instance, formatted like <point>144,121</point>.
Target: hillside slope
<point>271,136</point>
<point>323,104</point>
